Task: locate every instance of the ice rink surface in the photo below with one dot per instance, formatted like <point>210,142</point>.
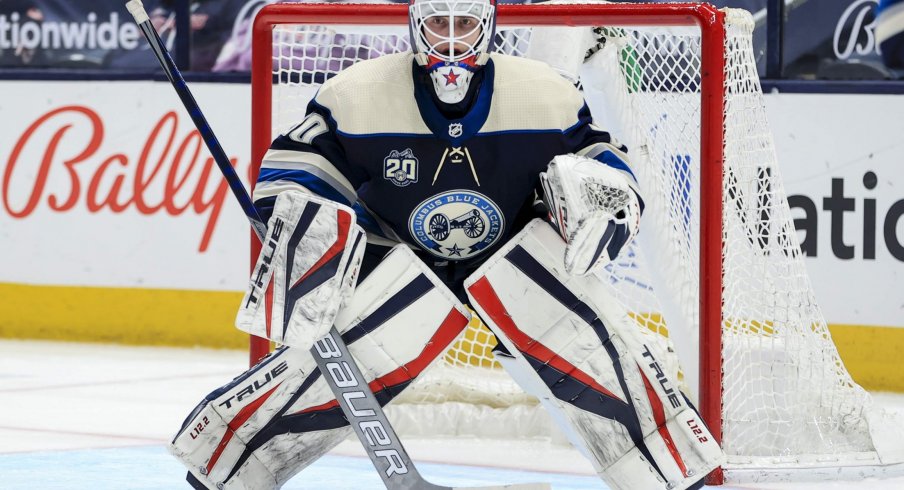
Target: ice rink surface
<point>85,416</point>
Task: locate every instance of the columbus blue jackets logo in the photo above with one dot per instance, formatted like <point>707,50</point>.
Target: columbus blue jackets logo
<point>456,225</point>
<point>400,167</point>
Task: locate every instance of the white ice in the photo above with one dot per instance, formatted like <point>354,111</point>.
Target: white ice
<point>84,416</point>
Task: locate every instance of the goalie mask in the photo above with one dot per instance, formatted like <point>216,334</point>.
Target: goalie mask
<point>452,40</point>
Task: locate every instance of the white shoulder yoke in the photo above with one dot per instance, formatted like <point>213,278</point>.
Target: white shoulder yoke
<point>374,97</point>
<point>529,95</point>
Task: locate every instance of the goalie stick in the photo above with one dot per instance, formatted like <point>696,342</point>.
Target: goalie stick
<point>385,451</point>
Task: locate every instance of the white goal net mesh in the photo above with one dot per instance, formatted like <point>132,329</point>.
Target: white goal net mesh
<point>787,398</point>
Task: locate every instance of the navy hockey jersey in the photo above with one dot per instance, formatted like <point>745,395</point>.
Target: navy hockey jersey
<point>454,189</point>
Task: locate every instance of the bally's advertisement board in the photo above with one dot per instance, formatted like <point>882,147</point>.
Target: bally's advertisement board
<point>115,224</point>
<point>113,213</point>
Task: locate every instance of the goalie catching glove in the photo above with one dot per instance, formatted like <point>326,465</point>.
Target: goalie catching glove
<point>307,269</point>
<point>595,208</point>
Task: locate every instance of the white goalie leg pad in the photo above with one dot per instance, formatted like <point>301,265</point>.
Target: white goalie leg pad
<point>268,424</point>
<point>223,441</point>
<point>307,268</point>
<point>577,350</point>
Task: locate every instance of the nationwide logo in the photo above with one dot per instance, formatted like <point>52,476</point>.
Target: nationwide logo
<point>456,225</point>
<point>22,30</point>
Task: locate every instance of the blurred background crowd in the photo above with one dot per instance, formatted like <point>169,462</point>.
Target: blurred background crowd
<point>821,40</point>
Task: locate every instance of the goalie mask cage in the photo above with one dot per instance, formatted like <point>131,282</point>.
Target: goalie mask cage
<point>715,279</point>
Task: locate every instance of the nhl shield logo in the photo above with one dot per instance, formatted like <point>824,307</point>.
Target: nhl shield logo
<point>455,130</point>
<point>400,167</point>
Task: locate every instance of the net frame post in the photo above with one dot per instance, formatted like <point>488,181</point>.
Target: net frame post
<point>711,24</point>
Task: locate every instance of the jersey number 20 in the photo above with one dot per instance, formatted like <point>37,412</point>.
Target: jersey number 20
<point>400,169</point>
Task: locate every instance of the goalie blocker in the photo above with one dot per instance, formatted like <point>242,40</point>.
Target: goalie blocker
<point>576,349</point>
<point>305,272</point>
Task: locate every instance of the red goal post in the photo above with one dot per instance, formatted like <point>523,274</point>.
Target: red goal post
<point>724,197</point>
<point>711,23</point>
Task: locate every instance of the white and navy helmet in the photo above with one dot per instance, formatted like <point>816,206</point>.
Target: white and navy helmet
<point>452,39</point>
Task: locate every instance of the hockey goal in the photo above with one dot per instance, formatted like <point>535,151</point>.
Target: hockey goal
<point>716,277</point>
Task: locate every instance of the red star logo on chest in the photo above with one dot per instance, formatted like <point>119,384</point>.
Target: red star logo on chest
<point>451,78</point>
